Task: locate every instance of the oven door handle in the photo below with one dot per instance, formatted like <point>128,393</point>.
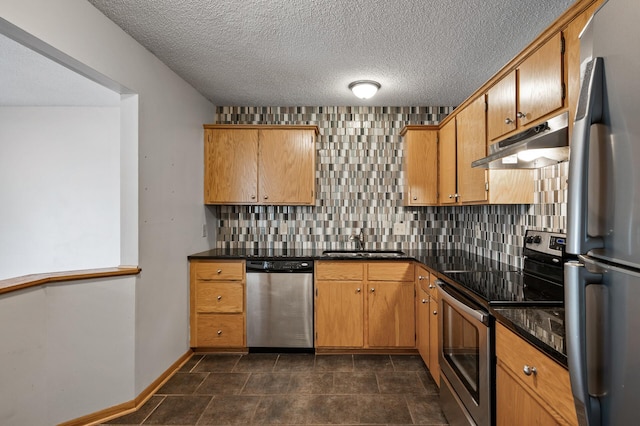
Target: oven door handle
<point>478,315</point>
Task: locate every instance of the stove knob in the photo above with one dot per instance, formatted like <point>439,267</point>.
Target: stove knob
<point>528,240</point>
<point>537,239</point>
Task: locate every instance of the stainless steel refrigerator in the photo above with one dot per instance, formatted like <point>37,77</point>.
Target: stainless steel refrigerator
<point>602,283</point>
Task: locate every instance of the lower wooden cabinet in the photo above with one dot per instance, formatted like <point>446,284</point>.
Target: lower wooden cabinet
<point>434,331</point>
<point>531,388</point>
<point>217,308</point>
<point>422,313</point>
<point>339,314</point>
<point>364,304</point>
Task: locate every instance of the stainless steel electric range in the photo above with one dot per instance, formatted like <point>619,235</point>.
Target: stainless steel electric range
<point>466,348</point>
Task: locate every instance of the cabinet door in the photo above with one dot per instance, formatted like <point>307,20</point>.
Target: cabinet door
<point>422,325</point>
<point>391,316</point>
<point>472,145</point>
<point>339,314</point>
<point>516,406</point>
<point>434,333</point>
<point>287,166</point>
<point>447,180</point>
<point>540,88</point>
<point>421,167</point>
<point>501,107</point>
<point>231,166</point>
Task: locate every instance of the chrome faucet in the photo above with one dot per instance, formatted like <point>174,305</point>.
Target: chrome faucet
<point>359,240</point>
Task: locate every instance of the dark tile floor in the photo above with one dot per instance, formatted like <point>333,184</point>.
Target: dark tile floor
<point>294,389</point>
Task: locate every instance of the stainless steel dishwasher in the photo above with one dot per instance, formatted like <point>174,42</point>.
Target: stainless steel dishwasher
<point>280,304</point>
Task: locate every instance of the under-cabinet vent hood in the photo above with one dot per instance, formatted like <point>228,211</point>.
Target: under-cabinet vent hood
<point>540,146</point>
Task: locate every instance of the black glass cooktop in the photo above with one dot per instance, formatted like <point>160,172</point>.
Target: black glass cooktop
<point>509,288</point>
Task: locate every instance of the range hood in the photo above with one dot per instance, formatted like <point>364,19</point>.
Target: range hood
<point>540,146</point>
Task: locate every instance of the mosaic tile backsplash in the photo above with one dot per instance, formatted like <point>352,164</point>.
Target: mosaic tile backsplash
<point>359,186</point>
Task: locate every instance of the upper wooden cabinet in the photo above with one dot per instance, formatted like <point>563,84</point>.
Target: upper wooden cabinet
<point>471,145</point>
<point>533,90</point>
<point>421,165</point>
<point>463,140</point>
<point>247,164</point>
<point>447,164</point>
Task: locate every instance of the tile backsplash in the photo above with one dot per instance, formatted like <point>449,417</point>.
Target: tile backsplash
<point>359,185</point>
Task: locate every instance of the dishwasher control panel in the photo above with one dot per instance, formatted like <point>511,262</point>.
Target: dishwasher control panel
<point>280,265</point>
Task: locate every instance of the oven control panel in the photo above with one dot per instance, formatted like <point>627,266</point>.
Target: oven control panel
<point>551,243</point>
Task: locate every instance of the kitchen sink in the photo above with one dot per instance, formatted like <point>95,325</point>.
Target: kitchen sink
<point>363,253</point>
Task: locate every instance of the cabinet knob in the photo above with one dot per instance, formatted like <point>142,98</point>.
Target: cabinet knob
<point>420,277</point>
<point>373,290</point>
<point>435,312</point>
<point>450,195</point>
<point>253,197</point>
<point>358,290</point>
<point>415,198</point>
<point>219,297</point>
<point>432,286</point>
<point>508,121</point>
<point>266,197</point>
<point>219,332</point>
<point>219,271</point>
<point>424,300</point>
<point>527,370</point>
<point>521,114</point>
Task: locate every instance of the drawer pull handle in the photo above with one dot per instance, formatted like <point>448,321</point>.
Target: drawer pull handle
<point>420,277</point>
<point>424,300</point>
<point>219,297</point>
<point>432,286</point>
<point>219,271</point>
<point>529,370</point>
<point>219,332</point>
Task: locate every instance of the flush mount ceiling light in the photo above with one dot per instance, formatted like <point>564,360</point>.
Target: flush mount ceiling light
<point>364,89</point>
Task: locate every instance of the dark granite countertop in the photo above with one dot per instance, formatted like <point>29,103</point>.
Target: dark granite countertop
<point>543,327</point>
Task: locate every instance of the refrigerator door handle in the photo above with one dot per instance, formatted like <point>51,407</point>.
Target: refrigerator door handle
<point>576,280</point>
<point>589,112</point>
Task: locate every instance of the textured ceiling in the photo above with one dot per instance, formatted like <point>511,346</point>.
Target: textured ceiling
<point>306,52</point>
<point>30,79</point>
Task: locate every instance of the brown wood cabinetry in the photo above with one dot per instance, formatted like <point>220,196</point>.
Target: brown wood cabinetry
<point>217,312</point>
<point>462,141</point>
<point>447,164</point>
<point>422,313</point>
<point>472,145</point>
<point>531,388</point>
<point>421,165</point>
<point>528,93</point>
<point>434,330</point>
<point>364,304</point>
<point>259,164</point>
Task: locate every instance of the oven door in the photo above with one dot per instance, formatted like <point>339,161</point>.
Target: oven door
<point>465,359</point>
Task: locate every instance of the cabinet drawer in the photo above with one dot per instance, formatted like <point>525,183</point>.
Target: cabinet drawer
<point>433,287</point>
<point>550,382</point>
<point>422,278</point>
<point>219,270</point>
<point>390,271</point>
<point>215,296</point>
<point>339,271</point>
<point>220,330</point>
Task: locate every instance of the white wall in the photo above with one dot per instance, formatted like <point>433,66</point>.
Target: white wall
<point>60,168</point>
<point>171,214</point>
